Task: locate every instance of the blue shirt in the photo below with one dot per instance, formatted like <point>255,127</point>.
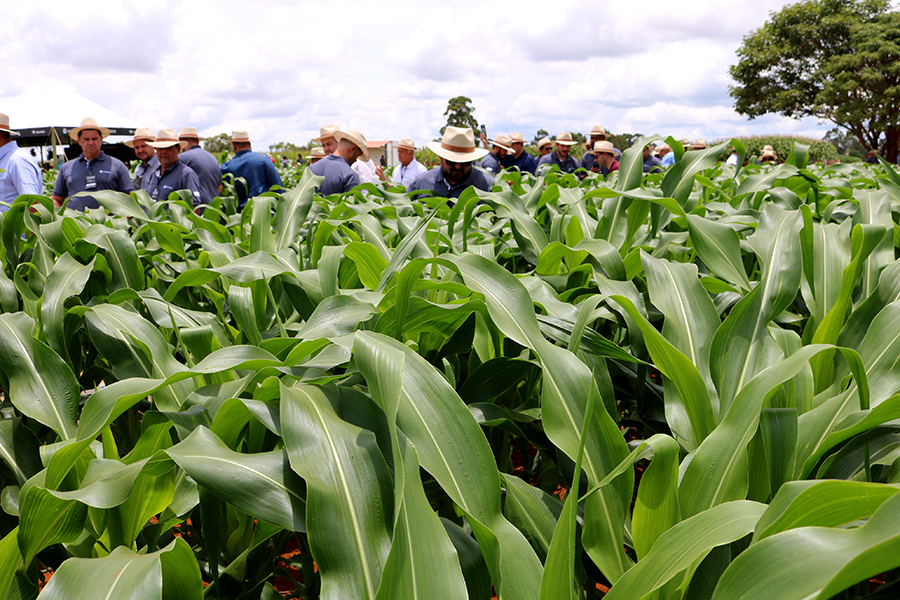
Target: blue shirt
<point>109,173</point>
<point>339,177</point>
<point>567,166</point>
<point>406,175</point>
<point>588,161</point>
<point>491,163</point>
<point>434,180</point>
<point>19,174</point>
<point>256,169</point>
<point>652,164</point>
<point>525,162</point>
<point>142,173</point>
<point>177,177</point>
<point>207,169</point>
<point>669,159</point>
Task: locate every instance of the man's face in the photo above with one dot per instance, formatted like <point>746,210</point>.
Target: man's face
<point>329,144</point>
<point>518,148</point>
<point>455,172</point>
<point>662,152</point>
<point>143,150</point>
<point>90,142</point>
<point>503,152</point>
<point>168,156</point>
<point>405,155</point>
<point>646,152</point>
<point>605,159</point>
<point>597,137</point>
<point>562,151</point>
<point>545,149</point>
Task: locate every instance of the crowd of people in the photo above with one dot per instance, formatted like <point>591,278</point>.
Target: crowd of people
<point>170,162</point>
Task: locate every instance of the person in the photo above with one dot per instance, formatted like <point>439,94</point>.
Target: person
<point>144,153</point>
<point>598,134</point>
<point>665,154</point>
<point>316,154</point>
<point>519,159</point>
<point>560,156</point>
<point>326,138</point>
<point>172,174</point>
<point>204,164</point>
<point>93,170</point>
<point>732,158</point>
<point>651,163</point>
<point>19,171</point>
<point>455,174</point>
<point>492,162</point>
<point>871,157</point>
<point>256,169</point>
<point>336,167</point>
<point>699,144</point>
<point>768,155</point>
<point>409,168</point>
<point>605,154</point>
<point>545,147</point>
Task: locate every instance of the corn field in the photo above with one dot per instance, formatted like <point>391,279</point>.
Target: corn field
<point>670,386</point>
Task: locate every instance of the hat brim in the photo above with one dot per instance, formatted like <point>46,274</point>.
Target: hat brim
<point>73,133</point>
<point>476,154</point>
<point>340,135</point>
<point>130,143</point>
<point>11,132</point>
<point>507,148</point>
<point>164,144</point>
<point>596,152</point>
<point>565,143</point>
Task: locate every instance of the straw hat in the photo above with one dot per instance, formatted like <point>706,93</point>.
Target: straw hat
<point>699,144</point>
<point>565,138</point>
<point>503,141</point>
<point>88,123</point>
<point>358,139</point>
<point>141,133</point>
<point>458,145</point>
<point>686,143</point>
<point>189,133</point>
<point>407,143</point>
<point>317,152</point>
<point>240,135</point>
<point>166,138</point>
<point>516,138</point>
<point>598,130</point>
<point>604,147</point>
<point>327,131</point>
<point>4,125</point>
<point>543,142</point>
<point>768,151</point>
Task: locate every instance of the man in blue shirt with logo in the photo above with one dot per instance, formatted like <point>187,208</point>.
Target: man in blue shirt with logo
<point>519,159</point>
<point>19,172</point>
<point>560,156</point>
<point>336,167</point>
<point>172,174</point>
<point>256,169</point>
<point>455,174</point>
<point>94,170</point>
<point>493,161</point>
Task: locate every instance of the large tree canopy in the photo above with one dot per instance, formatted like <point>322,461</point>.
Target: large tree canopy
<point>459,114</point>
<point>838,60</point>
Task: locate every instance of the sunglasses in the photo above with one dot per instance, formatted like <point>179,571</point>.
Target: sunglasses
<point>542,148</point>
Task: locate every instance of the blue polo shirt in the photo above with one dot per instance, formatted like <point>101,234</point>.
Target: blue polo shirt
<point>143,171</point>
<point>19,174</point>
<point>491,163</point>
<point>177,177</point>
<point>207,169</point>
<point>256,169</point>
<point>566,166</point>
<point>434,180</point>
<point>525,162</point>
<point>339,176</point>
<point>109,173</point>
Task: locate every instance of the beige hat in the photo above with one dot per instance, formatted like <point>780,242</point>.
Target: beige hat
<point>358,139</point>
<point>684,142</point>
<point>317,152</point>
<point>543,142</point>
<point>189,133</point>
<point>768,151</point>
<point>598,130</point>
<point>240,135</point>
<point>662,147</point>
<point>88,123</point>
<point>327,131</point>
<point>407,143</point>
<point>4,125</point>
<point>458,145</point>
<point>141,133</point>
<point>602,147</point>
<point>565,138</point>
<point>516,138</point>
<point>699,144</point>
<point>503,141</point>
<point>166,138</point>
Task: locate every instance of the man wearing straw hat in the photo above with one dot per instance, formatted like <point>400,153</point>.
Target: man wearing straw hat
<point>493,161</point>
<point>146,154</point>
<point>204,164</point>
<point>545,147</point>
<point>326,138</point>
<point>256,169</point>
<point>94,170</point>
<point>519,159</point>
<point>316,154</point>
<point>605,154</point>
<point>172,174</point>
<point>336,167</point>
<point>457,151</point>
<point>409,167</point>
<point>598,134</point>
<point>19,172</point>
<point>560,156</point>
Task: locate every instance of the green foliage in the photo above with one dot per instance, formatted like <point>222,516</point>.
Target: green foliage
<point>820,151</point>
<point>217,144</point>
<point>459,114</point>
<point>427,157</point>
<point>832,59</point>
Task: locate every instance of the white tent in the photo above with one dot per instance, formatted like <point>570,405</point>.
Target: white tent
<point>45,105</point>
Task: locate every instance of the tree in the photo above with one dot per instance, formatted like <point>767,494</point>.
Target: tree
<point>845,143</point>
<point>838,60</point>
<point>284,148</point>
<point>221,142</point>
<point>541,133</point>
<point>459,114</point>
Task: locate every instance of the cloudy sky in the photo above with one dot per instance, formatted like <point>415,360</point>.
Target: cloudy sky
<point>281,69</point>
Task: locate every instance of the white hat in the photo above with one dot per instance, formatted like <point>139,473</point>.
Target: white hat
<point>327,131</point>
<point>503,141</point>
<point>598,130</point>
<point>4,125</point>
<point>358,139</point>
<point>565,138</point>
<point>458,145</point>
<point>407,143</point>
<point>141,133</point>
<point>516,137</point>
<point>166,138</point>
<point>699,144</point>
<point>317,152</point>
<point>240,135</point>
<point>190,133</point>
<point>604,147</point>
<point>543,142</point>
<point>88,123</point>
